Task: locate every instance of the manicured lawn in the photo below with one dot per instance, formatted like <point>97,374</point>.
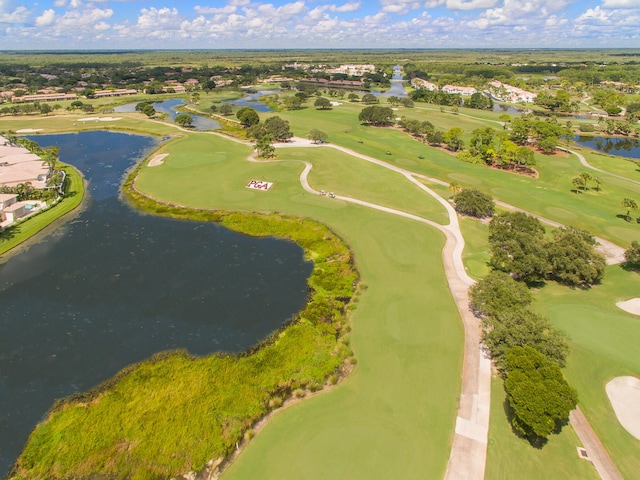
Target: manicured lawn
<point>393,416</point>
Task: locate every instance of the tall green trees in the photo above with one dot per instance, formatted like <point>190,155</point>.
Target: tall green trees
<point>629,204</point>
<point>537,391</point>
<point>247,116</point>
<point>184,120</point>
<point>376,115</point>
<point>474,203</point>
<point>519,247</point>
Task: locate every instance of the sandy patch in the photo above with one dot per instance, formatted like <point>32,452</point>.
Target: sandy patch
<point>624,395</point>
<point>99,119</point>
<point>335,104</point>
<point>158,160</point>
<point>29,130</point>
<point>631,306</point>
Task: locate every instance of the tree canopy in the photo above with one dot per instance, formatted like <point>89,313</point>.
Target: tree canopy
<point>498,292</point>
<point>376,115</point>
<point>474,203</point>
<point>184,120</point>
<point>537,391</point>
<point>517,246</point>
<point>247,116</point>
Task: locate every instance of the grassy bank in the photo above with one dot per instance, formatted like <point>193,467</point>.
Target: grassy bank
<point>175,412</point>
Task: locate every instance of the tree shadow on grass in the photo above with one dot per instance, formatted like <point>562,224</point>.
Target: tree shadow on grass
<point>534,440</point>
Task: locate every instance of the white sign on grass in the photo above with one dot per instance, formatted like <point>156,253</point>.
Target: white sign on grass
<point>259,185</point>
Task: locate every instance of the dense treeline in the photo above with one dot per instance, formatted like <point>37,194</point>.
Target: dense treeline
<point>527,349</point>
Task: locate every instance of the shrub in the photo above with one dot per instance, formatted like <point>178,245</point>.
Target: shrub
<point>587,127</point>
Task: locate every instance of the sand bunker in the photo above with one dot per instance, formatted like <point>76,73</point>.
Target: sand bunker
<point>158,159</point>
<point>631,306</point>
<point>99,119</point>
<point>29,130</point>
<point>624,395</point>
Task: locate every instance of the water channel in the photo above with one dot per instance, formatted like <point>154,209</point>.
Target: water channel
<point>113,286</point>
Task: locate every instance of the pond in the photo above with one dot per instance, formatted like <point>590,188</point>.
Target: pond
<point>397,86</point>
<point>113,286</point>
<point>170,108</point>
<point>502,108</point>
<point>618,146</point>
<point>253,100</point>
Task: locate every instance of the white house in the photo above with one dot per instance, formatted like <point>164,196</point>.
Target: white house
<point>508,93</point>
<point>421,83</point>
<point>453,89</point>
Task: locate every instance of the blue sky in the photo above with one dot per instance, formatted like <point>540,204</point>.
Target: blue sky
<point>208,24</point>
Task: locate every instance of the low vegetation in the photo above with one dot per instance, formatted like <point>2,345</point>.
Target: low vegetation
<point>201,407</point>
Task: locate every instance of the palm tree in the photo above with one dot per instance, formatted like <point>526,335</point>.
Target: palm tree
<point>629,204</point>
<point>579,183</point>
<point>598,183</point>
<point>455,187</point>
<point>586,177</point>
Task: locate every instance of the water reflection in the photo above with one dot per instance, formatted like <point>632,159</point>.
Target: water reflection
<point>113,287</point>
<point>620,146</point>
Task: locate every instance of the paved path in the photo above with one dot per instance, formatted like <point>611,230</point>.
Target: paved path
<point>584,162</point>
<point>595,450</point>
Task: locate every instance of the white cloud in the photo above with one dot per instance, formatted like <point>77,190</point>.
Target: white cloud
<point>620,3</point>
<point>59,3</point>
<point>19,15</point>
<point>347,7</point>
<point>47,18</point>
<point>434,3</point>
<point>470,4</point>
<point>154,18</point>
<point>602,17</point>
<point>227,9</point>
<point>400,7</point>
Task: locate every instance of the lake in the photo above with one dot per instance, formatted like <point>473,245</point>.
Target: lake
<point>170,108</point>
<point>113,286</point>
<point>618,146</point>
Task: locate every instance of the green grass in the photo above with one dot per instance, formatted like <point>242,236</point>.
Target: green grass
<point>394,414</point>
<point>21,232</point>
